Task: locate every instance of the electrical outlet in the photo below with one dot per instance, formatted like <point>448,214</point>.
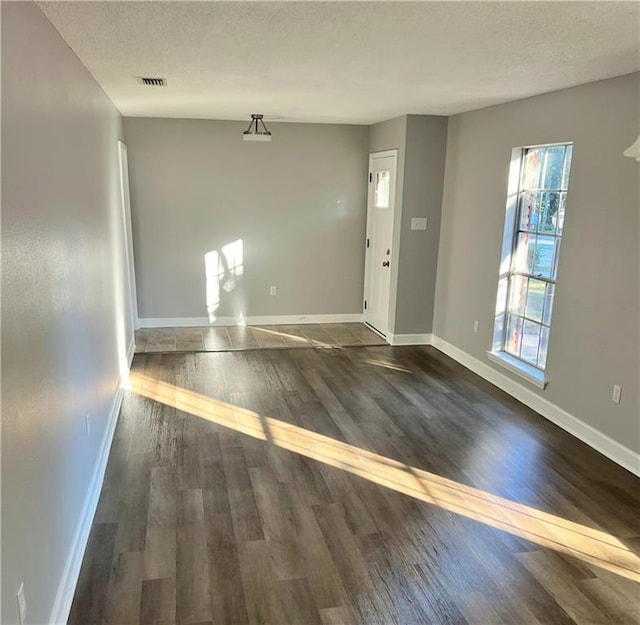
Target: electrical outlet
<point>616,396</point>
<point>476,325</point>
<point>22,605</point>
<point>273,290</point>
<point>87,423</point>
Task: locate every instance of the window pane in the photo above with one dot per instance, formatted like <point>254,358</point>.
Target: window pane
<point>530,342</point>
<point>503,286</point>
<point>543,255</point>
<point>532,172</point>
<point>498,330</point>
<point>529,206</point>
<point>518,295</point>
<point>535,299</point>
<point>561,208</point>
<point>567,167</point>
<point>514,335</point>
<point>525,252</point>
<point>544,345</point>
<point>549,204</point>
<point>383,179</point>
<point>548,304</point>
<point>554,161</point>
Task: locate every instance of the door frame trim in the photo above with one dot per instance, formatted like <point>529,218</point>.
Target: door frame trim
<point>395,237</point>
<point>125,202</point>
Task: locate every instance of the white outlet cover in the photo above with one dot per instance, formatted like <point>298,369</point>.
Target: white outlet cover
<point>418,223</point>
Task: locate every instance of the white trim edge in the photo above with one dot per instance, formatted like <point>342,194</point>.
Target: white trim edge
<point>71,573</point>
<point>271,320</point>
<point>613,450</point>
<point>522,370</point>
<point>409,339</point>
<point>384,153</point>
<point>130,353</point>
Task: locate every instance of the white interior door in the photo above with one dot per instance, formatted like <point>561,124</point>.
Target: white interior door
<point>380,212</point>
<point>128,233</point>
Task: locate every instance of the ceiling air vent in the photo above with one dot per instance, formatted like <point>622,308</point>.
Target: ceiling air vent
<point>152,82</point>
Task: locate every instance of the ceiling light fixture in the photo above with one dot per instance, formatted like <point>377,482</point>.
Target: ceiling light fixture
<point>257,131</point>
<point>633,151</point>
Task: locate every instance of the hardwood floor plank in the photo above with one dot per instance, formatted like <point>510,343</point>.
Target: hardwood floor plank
<point>246,520</point>
<point>277,521</point>
<point>258,581</point>
<point>326,583</point>
<point>158,602</point>
<point>161,531</point>
<point>227,599</point>
<point>297,602</point>
<point>193,583</point>
<point>160,551</point>
<point>616,598</point>
<point>93,585</point>
<point>125,589</point>
<point>551,573</point>
<point>163,495</point>
<point>190,471</point>
<point>350,564</point>
<point>337,616</point>
<point>394,581</point>
<point>477,609</point>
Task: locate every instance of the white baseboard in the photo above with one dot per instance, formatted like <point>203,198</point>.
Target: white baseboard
<point>267,320</point>
<point>409,339</point>
<point>613,450</point>
<point>71,573</point>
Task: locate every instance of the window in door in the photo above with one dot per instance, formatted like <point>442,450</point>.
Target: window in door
<point>383,180</point>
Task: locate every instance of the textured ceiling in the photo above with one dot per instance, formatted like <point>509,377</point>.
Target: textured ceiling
<point>348,62</point>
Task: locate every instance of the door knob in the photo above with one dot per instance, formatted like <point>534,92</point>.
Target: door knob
<point>385,263</point>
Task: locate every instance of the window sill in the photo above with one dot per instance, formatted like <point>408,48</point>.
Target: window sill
<point>525,371</point>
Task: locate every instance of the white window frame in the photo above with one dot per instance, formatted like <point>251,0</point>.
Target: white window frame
<point>530,372</point>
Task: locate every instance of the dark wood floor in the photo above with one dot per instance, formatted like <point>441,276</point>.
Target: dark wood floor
<point>368,486</point>
<point>238,338</point>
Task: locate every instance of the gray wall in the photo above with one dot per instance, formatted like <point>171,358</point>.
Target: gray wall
<point>61,278</point>
<point>421,197</point>
<point>298,204</point>
<point>421,144</point>
<point>594,339</point>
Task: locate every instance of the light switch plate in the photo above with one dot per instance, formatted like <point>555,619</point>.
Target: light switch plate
<point>418,223</point>
<point>616,396</point>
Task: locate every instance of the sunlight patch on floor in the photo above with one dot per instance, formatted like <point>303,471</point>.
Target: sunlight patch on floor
<point>547,530</point>
<point>386,364</point>
<point>291,337</point>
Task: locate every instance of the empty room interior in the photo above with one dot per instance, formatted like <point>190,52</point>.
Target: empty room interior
<point>320,313</point>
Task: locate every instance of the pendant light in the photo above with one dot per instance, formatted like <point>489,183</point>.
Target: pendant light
<point>257,131</point>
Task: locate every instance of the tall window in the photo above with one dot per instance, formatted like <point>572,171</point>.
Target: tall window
<point>537,197</point>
